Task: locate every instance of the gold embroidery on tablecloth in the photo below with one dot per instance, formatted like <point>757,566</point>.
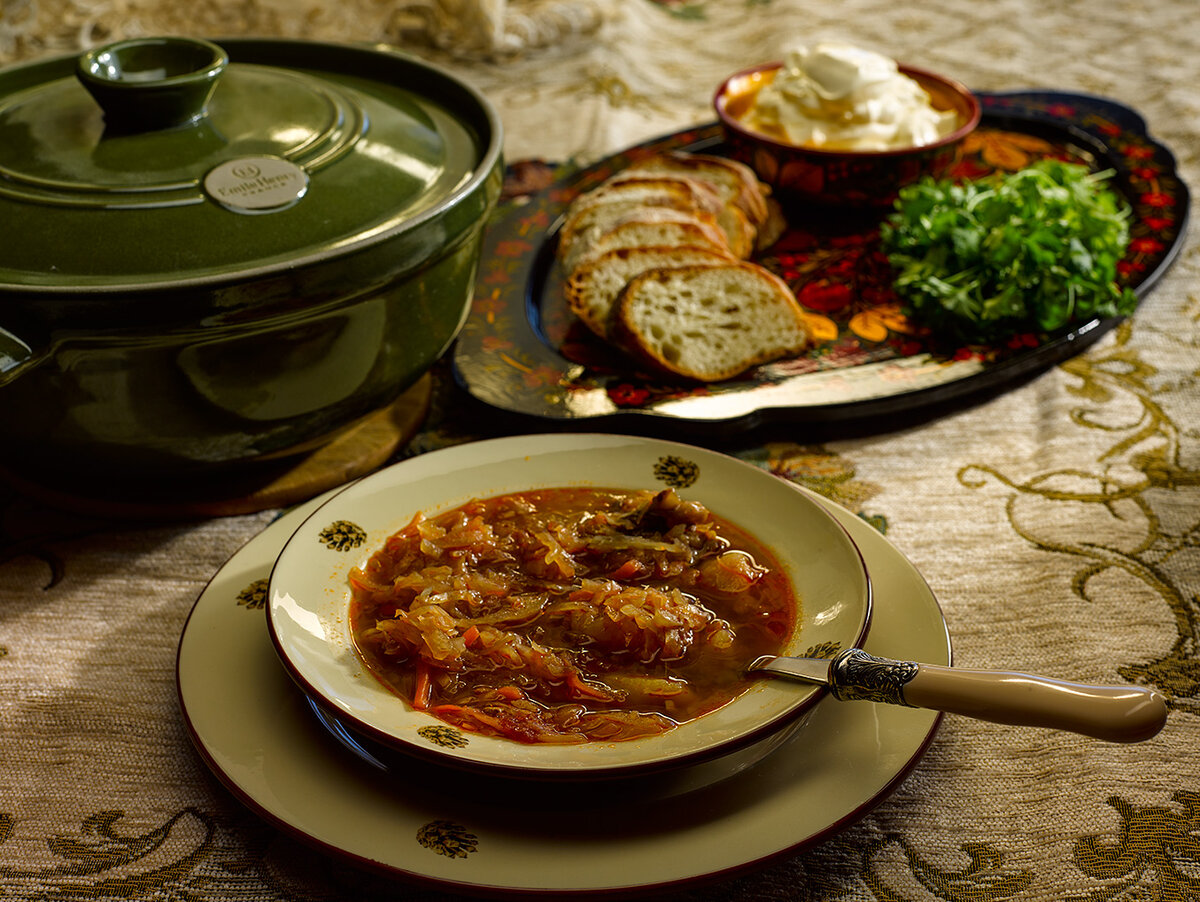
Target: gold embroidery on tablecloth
<point>683,9</point>
<point>1152,856</point>
<point>100,849</point>
<point>697,10</point>
<point>1144,457</point>
<point>615,90</point>
<point>1148,855</point>
<point>984,878</point>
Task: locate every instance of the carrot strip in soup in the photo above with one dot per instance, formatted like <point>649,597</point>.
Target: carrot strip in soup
<point>549,615</point>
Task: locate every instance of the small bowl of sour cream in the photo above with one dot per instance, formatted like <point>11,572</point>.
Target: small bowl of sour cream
<point>836,124</point>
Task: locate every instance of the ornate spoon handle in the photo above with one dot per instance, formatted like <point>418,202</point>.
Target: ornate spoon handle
<point>1113,713</point>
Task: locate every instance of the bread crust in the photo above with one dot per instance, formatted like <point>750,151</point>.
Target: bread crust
<point>708,322</point>
<point>683,223</point>
<point>648,227</point>
<point>737,182</point>
<point>592,289</point>
<point>591,214</point>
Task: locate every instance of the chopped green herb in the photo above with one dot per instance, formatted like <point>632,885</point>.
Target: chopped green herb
<point>1029,251</point>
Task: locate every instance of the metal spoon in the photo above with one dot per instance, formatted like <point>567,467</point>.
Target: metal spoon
<point>1112,713</point>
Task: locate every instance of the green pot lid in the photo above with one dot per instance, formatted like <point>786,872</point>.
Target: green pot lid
<point>164,161</point>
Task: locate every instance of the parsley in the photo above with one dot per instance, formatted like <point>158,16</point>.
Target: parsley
<point>1029,251</point>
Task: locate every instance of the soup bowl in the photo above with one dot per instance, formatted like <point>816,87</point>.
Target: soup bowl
<point>309,597</point>
<point>864,179</point>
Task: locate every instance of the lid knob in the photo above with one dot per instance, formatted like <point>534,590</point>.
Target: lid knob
<point>149,84</point>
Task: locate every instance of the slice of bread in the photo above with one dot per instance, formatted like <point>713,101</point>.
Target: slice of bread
<point>740,228</point>
<point>592,289</point>
<point>708,196</point>
<point>710,321</point>
<point>733,181</point>
<point>655,228</point>
<point>740,232</point>
<point>649,227</point>
<point>592,211</point>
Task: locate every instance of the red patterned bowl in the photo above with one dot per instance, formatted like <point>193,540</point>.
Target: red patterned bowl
<point>842,177</point>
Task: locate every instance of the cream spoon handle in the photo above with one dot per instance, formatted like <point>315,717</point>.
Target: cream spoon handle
<point>1112,713</point>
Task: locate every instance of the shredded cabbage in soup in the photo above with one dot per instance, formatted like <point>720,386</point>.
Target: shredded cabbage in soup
<point>570,614</point>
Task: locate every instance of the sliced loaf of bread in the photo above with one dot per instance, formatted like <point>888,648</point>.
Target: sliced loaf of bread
<point>740,228</point>
<point>734,181</point>
<point>595,212</point>
<point>593,287</point>
<point>648,227</point>
<point>592,213</point>
<point>709,321</point>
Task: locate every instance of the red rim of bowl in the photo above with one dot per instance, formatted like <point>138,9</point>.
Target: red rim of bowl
<point>975,114</point>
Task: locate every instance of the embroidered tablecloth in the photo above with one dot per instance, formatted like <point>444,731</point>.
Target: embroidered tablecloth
<point>1057,523</point>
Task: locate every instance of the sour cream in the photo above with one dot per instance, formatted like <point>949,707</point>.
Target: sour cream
<point>835,96</point>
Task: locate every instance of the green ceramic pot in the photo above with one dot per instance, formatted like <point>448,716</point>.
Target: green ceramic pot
<point>218,254</point>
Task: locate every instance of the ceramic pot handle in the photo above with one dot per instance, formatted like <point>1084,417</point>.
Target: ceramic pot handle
<point>14,355</point>
<point>150,84</point>
<point>1113,713</point>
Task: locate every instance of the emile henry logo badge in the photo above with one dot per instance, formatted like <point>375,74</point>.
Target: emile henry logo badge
<point>256,184</point>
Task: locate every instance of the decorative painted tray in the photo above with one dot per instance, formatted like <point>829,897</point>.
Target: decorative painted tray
<point>522,351</point>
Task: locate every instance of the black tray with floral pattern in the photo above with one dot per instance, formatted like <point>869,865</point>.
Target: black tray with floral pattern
<point>522,351</point>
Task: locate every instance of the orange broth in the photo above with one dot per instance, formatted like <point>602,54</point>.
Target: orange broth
<point>570,614</point>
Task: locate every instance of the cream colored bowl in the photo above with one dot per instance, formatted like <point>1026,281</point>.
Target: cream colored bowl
<point>309,594</point>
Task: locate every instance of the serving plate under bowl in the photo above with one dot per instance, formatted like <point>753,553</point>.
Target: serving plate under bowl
<point>522,351</point>
<point>257,733</point>
<point>309,594</point>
